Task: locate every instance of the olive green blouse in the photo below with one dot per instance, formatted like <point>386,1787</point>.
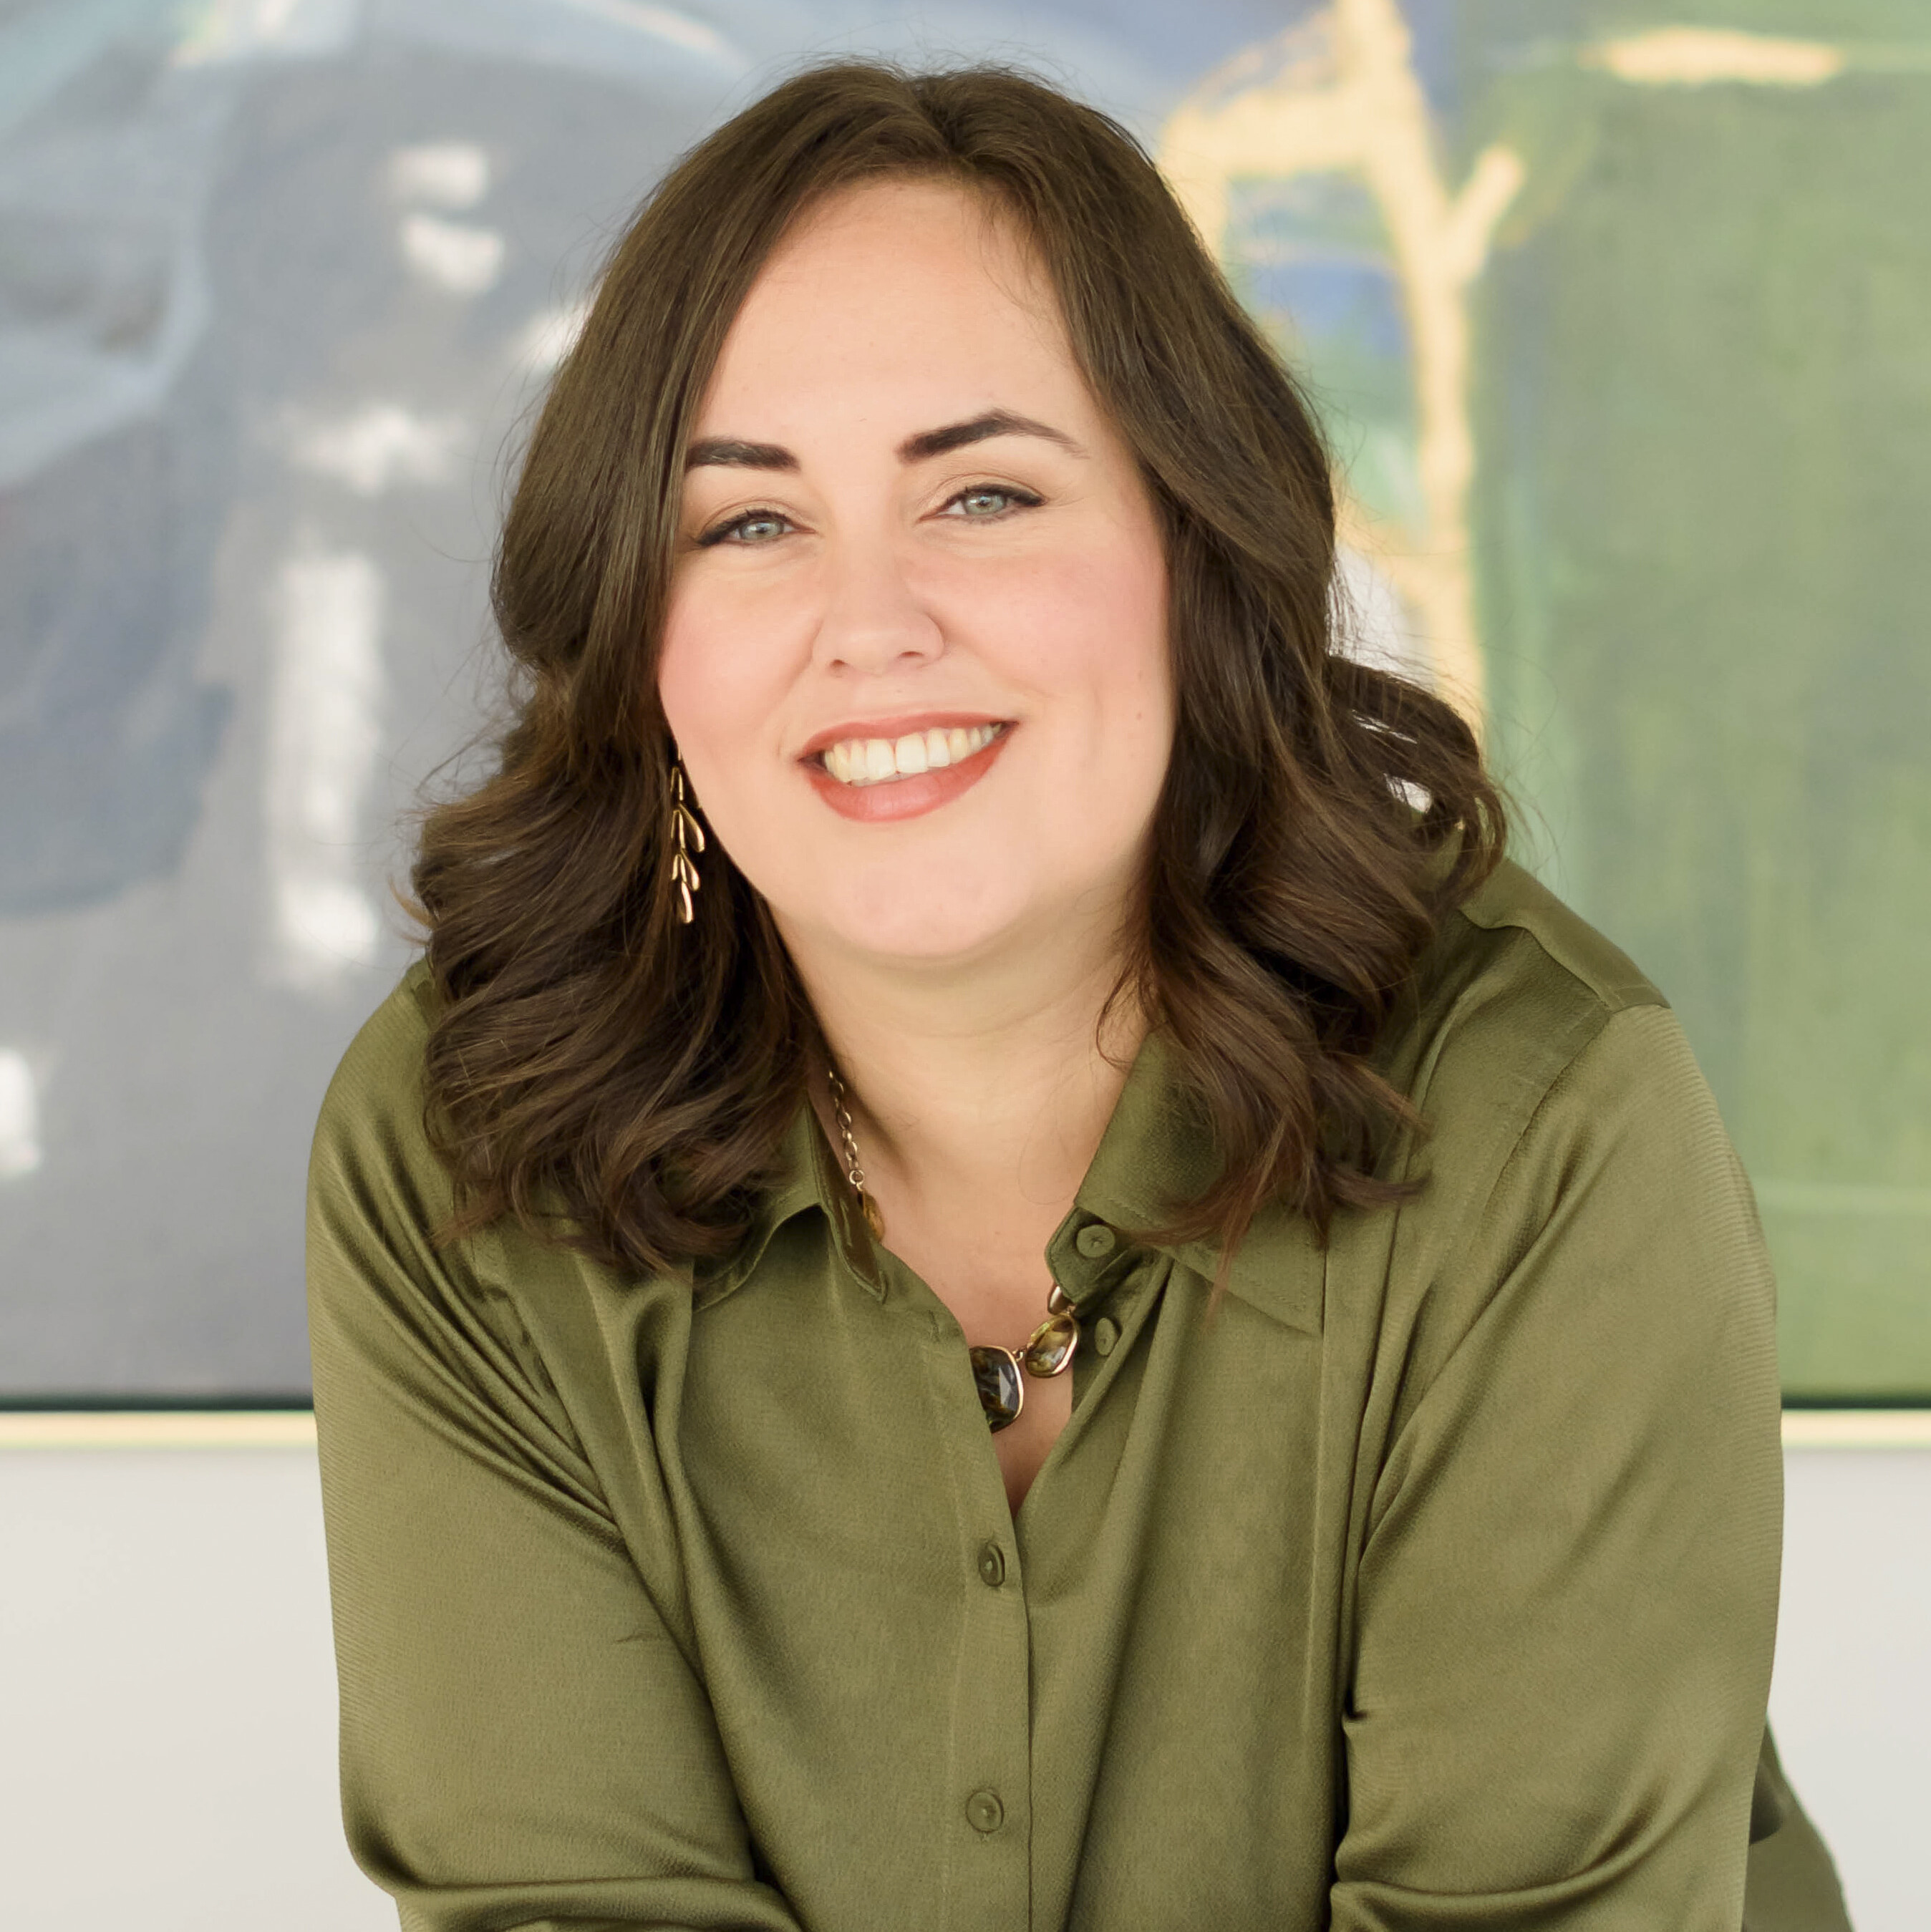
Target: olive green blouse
<point>1433,1585</point>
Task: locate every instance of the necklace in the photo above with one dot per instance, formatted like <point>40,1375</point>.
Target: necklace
<point>1048,1351</point>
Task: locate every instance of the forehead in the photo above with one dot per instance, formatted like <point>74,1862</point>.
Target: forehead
<point>891,281</point>
<point>907,221</point>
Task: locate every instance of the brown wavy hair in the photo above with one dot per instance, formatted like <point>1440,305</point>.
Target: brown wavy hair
<point>620,1081</point>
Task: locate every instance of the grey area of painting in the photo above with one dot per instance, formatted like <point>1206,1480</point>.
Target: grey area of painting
<point>277,285</point>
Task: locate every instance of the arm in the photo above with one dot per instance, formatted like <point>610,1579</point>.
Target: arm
<point>1568,1591</point>
<point>523,1744</point>
<point>1792,1884</point>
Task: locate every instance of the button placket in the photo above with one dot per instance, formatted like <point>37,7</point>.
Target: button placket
<point>1106,1262</point>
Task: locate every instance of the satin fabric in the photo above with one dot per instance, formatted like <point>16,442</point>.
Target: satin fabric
<point>1432,1584</point>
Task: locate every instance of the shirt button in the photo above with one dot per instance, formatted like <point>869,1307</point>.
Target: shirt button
<point>992,1565</point>
<point>1095,1241</point>
<point>983,1811</point>
<point>1106,1333</point>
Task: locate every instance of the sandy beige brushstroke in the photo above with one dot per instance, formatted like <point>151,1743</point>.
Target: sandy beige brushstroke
<point>1704,56</point>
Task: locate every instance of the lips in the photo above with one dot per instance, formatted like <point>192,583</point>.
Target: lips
<point>880,760</point>
<point>903,767</point>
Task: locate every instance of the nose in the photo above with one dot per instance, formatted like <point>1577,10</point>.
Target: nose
<point>874,620</point>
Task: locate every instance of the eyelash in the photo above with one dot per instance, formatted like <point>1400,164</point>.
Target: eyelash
<point>1025,498</point>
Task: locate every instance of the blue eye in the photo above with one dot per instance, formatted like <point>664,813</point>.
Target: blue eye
<point>737,531</point>
<point>737,523</point>
<point>1023,497</point>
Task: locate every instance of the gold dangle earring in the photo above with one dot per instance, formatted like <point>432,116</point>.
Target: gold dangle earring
<point>686,835</point>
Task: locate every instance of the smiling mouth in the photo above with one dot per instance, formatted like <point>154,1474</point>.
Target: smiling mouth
<point>872,761</point>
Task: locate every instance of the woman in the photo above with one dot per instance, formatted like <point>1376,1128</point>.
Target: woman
<point>997,1273</point>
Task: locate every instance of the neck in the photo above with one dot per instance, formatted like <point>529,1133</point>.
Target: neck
<point>978,1094</point>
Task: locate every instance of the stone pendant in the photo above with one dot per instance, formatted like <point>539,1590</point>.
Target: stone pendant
<point>1051,1349</point>
<point>996,1373</point>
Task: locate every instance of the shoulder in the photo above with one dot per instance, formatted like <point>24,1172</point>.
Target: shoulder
<point>371,1159</point>
<point>1583,1209</point>
<point>384,1228</point>
<point>1513,941</point>
<point>1534,933</point>
<point>386,1054</point>
<point>378,1084</point>
<point>1533,1037</point>
<point>1514,988</point>
<point>1564,1104</point>
<point>405,1322</point>
<point>389,1289</point>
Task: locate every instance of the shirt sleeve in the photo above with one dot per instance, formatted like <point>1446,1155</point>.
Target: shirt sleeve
<point>523,1742</point>
<point>1567,1595</point>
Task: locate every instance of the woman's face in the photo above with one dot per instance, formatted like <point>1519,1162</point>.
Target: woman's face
<point>916,657</point>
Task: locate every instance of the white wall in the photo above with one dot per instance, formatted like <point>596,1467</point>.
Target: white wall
<point>167,1688</point>
<point>1851,1701</point>
<point>167,1696</point>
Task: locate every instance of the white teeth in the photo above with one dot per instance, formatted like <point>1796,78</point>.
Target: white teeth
<point>860,761</point>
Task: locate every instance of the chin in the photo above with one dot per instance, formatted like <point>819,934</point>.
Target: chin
<point>931,919</point>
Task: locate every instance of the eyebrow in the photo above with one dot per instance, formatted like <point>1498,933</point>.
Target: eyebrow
<point>732,453</point>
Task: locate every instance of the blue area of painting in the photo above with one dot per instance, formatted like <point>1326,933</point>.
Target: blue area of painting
<point>1190,39</point>
<point>1183,41</point>
<point>1331,300</point>
<point>43,47</point>
<point>1312,254</point>
<point>1440,47</point>
<point>1163,40</point>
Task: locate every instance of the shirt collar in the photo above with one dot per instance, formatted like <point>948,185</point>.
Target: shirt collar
<point>1156,1152</point>
<point>1153,1152</point>
<point>805,1178</point>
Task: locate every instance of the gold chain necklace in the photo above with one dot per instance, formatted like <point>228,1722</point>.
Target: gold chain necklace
<point>995,1371</point>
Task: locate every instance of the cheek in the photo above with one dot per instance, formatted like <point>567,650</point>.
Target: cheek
<point>687,670</point>
<point>711,676</point>
<point>1109,636</point>
<point>722,679</point>
<point>701,685</point>
<point>1131,669</point>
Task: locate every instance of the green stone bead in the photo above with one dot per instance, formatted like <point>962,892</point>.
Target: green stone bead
<point>1052,1346</point>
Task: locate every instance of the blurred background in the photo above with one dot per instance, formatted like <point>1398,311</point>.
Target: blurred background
<point>1620,316</point>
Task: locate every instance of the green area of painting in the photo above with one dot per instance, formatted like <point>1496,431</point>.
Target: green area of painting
<point>1703,408</point>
